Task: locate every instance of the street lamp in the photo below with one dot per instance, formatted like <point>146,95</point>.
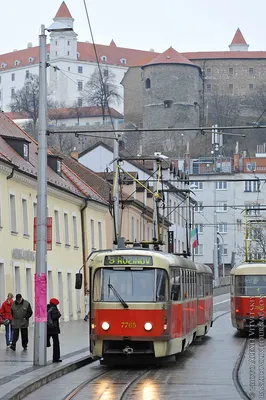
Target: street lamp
<point>40,318</point>
<point>218,233</point>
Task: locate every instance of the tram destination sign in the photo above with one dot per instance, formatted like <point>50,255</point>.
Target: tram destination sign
<point>128,260</point>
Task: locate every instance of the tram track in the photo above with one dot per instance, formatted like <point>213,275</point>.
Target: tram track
<point>236,372</point>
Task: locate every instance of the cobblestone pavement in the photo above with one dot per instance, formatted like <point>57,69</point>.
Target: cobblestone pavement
<point>14,366</point>
<point>204,371</point>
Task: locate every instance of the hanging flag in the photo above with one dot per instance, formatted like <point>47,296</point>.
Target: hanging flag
<point>194,238</point>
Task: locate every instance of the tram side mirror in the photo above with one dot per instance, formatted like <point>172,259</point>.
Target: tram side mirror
<point>78,284</point>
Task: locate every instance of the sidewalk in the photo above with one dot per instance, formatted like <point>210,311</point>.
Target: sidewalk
<point>16,368</point>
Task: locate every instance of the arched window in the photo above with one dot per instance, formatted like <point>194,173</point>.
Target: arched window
<point>148,83</point>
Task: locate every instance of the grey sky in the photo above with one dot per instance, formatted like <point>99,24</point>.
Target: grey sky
<point>186,25</point>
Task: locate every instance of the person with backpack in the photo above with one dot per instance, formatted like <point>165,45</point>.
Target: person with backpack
<point>53,329</point>
<point>5,311</point>
<point>21,312</point>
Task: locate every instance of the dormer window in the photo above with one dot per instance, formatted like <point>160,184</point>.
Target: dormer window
<point>55,162</point>
<point>123,61</point>
<point>3,65</point>
<point>78,55</point>
<point>20,145</point>
<point>103,58</point>
<point>48,56</point>
<point>17,62</point>
<point>31,59</point>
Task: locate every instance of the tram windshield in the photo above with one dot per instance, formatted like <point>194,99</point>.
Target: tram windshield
<point>131,284</point>
<point>251,285</point>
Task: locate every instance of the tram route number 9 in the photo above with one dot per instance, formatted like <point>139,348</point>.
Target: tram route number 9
<point>125,324</point>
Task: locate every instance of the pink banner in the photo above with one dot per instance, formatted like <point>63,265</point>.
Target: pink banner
<point>40,298</point>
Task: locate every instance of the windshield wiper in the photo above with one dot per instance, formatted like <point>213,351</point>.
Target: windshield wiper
<point>117,295</point>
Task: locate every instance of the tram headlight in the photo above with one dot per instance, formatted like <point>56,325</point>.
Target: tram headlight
<point>147,326</point>
<point>105,326</point>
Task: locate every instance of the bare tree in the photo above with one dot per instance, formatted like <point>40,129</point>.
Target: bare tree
<point>101,93</point>
<point>26,100</point>
<point>224,109</point>
<point>256,235</point>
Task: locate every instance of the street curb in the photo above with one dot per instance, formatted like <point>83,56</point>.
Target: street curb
<point>24,390</point>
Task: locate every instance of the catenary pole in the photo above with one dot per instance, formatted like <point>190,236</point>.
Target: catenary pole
<point>40,315</point>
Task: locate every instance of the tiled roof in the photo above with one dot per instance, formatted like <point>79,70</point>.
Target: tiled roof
<point>9,129</point>
<point>238,38</point>
<point>66,113</point>
<point>63,11</point>
<point>170,56</point>
<point>96,184</point>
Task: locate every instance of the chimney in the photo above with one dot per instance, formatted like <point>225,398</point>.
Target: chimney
<point>236,162</point>
<point>29,45</point>
<point>75,154</point>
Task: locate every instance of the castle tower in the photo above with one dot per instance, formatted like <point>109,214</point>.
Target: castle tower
<point>63,44</point>
<point>171,98</point>
<point>238,42</point>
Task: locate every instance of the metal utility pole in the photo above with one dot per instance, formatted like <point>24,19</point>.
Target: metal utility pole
<point>155,220</point>
<point>116,185</point>
<point>40,328</point>
<point>222,253</point>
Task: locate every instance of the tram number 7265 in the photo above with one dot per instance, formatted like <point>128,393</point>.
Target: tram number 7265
<point>128,324</point>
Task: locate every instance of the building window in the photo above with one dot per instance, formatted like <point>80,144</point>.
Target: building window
<point>68,68</point>
<point>75,231</point>
<point>57,226</point>
<point>58,166</point>
<point>199,250</point>
<point>123,61</point>
<point>56,53</point>
<point>252,186</point>
<point>13,215</point>
<point>231,87</point>
<point>251,71</point>
<point>209,87</point>
<point>12,77</point>
<point>221,185</point>
<point>0,79</point>
<point>132,229</point>
<point>35,210</point>
<point>222,227</point>
<point>168,103</point>
<point>199,207</point>
<point>92,235</point>
<point>0,95</point>
<point>221,206</point>
<point>148,83</point>
<point>104,58</point>
<point>66,229</point>
<point>27,74</point>
<point>174,212</point>
<point>80,86</point>
<point>25,217</point>
<point>208,72</point>
<point>231,71</point>
<point>68,53</point>
<point>105,72</point>
<point>199,227</point>
<point>223,249</point>
<point>80,102</point>
<point>48,56</point>
<point>100,235</point>
<point>197,185</point>
<point>80,70</point>
<point>250,86</point>
<point>26,151</point>
<point>253,209</point>
<point>68,43</point>
<point>56,42</point>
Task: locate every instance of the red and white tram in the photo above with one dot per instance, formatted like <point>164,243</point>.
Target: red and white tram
<point>205,299</point>
<point>248,291</point>
<point>144,302</point>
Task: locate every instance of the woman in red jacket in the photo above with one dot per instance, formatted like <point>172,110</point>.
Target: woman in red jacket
<point>5,311</point>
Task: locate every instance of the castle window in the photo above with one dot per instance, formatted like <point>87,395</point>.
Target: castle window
<point>68,43</point>
<point>48,56</point>
<point>251,71</point>
<point>68,53</point>
<point>31,59</point>
<point>3,65</point>
<point>208,72</point>
<point>231,87</point>
<point>80,86</point>
<point>17,62</point>
<point>250,86</point>
<point>123,61</point>
<point>80,69</point>
<point>231,71</point>
<point>104,58</point>
<point>105,72</point>
<point>168,103</point>
<point>56,42</point>
<point>148,83</point>
<point>209,87</point>
<point>79,102</point>
<point>13,77</point>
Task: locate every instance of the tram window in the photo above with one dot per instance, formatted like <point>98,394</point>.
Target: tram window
<point>232,285</point>
<point>251,285</point>
<point>161,285</point>
<point>175,284</point>
<point>200,280</point>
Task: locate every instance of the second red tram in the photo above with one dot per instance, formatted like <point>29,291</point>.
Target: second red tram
<point>145,302</point>
<point>248,291</point>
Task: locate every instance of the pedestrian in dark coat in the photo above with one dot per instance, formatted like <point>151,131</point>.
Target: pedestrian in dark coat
<point>53,329</point>
<point>5,311</point>
<point>21,312</point>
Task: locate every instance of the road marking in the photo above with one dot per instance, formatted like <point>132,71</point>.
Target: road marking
<point>224,301</point>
